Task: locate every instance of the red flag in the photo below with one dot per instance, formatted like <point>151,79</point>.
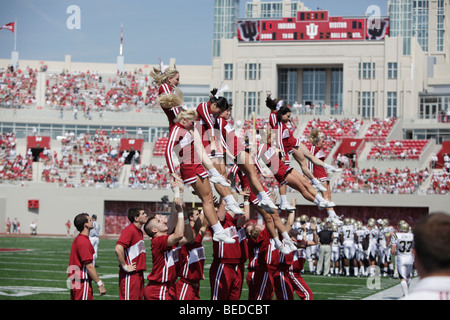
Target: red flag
<point>10,26</point>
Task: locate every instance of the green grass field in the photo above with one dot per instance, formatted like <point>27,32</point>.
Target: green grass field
<point>40,272</point>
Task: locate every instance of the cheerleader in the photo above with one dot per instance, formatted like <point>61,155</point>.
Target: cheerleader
<point>181,142</point>
<point>288,144</point>
<point>171,101</point>
<point>282,189</point>
<point>317,143</point>
<point>207,117</point>
<point>288,175</point>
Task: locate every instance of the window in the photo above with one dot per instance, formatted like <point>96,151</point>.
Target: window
<point>392,104</point>
<point>252,101</point>
<point>252,71</point>
<point>228,71</point>
<point>392,70</point>
<point>366,70</point>
<point>366,104</point>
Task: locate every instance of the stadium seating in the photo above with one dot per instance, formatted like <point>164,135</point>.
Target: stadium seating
<point>397,149</point>
<point>379,129</point>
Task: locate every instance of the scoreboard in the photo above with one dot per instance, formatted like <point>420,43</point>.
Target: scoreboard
<point>312,26</point>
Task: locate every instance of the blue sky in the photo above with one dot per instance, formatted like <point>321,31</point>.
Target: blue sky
<point>180,29</point>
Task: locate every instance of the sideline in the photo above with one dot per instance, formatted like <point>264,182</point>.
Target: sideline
<point>393,293</point>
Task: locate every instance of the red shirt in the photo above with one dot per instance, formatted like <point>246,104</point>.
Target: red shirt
<point>269,256</point>
<point>165,260</point>
<point>132,239</point>
<point>228,252</point>
<point>194,260</point>
<point>81,253</point>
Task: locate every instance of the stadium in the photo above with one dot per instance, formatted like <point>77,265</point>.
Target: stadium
<point>91,137</point>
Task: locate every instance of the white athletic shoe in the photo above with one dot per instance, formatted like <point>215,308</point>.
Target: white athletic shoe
<point>287,207</point>
<point>268,205</point>
<point>334,170</point>
<point>317,185</point>
<point>331,204</point>
<point>223,237</point>
<point>323,205</point>
<point>234,208</point>
<point>220,180</point>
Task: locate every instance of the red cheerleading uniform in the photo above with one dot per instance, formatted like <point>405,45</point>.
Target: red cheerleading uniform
<point>161,281</point>
<point>245,183</point>
<point>318,172</point>
<point>187,287</point>
<point>225,273</point>
<point>283,286</point>
<point>171,113</point>
<point>131,284</point>
<point>229,140</point>
<point>270,156</point>
<point>207,127</point>
<point>181,142</point>
<point>81,253</point>
<point>299,284</point>
<point>267,263</point>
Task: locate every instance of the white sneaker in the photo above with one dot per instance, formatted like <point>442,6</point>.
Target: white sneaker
<point>223,237</point>
<point>318,186</point>
<point>287,207</point>
<point>220,180</point>
<point>234,208</point>
<point>331,204</point>
<point>267,205</point>
<point>288,243</point>
<point>323,205</point>
<point>334,170</point>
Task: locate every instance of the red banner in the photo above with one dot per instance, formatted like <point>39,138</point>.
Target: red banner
<point>9,26</point>
<point>312,26</point>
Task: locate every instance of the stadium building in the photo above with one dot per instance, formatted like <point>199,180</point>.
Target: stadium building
<point>390,75</point>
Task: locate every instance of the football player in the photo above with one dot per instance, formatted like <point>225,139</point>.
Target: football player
<point>348,242</point>
<point>402,243</point>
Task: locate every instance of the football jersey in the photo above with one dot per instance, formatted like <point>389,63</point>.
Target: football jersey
<point>165,260</point>
<point>360,235</point>
<point>336,242</point>
<point>132,239</point>
<point>373,235</point>
<point>404,242</point>
<point>348,233</point>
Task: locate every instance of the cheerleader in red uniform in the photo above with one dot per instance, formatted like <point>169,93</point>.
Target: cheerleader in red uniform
<point>273,122</point>
<point>288,144</point>
<point>317,143</point>
<point>181,143</point>
<point>207,117</point>
<point>171,101</point>
<point>288,175</point>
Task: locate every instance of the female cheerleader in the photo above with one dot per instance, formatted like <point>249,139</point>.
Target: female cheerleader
<point>317,141</point>
<point>181,142</point>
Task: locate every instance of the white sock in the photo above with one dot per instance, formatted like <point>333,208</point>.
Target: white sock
<point>319,197</point>
<point>404,285</point>
<point>283,198</point>
<point>285,235</point>
<point>217,228</point>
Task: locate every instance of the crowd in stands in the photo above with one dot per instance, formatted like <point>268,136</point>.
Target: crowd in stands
<point>379,129</point>
<point>440,183</point>
<point>17,87</point>
<point>13,167</point>
<point>333,130</point>
<point>150,177</point>
<point>397,149</point>
<point>398,181</point>
<point>89,92</point>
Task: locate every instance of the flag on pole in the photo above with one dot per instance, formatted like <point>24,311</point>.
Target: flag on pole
<point>9,26</point>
